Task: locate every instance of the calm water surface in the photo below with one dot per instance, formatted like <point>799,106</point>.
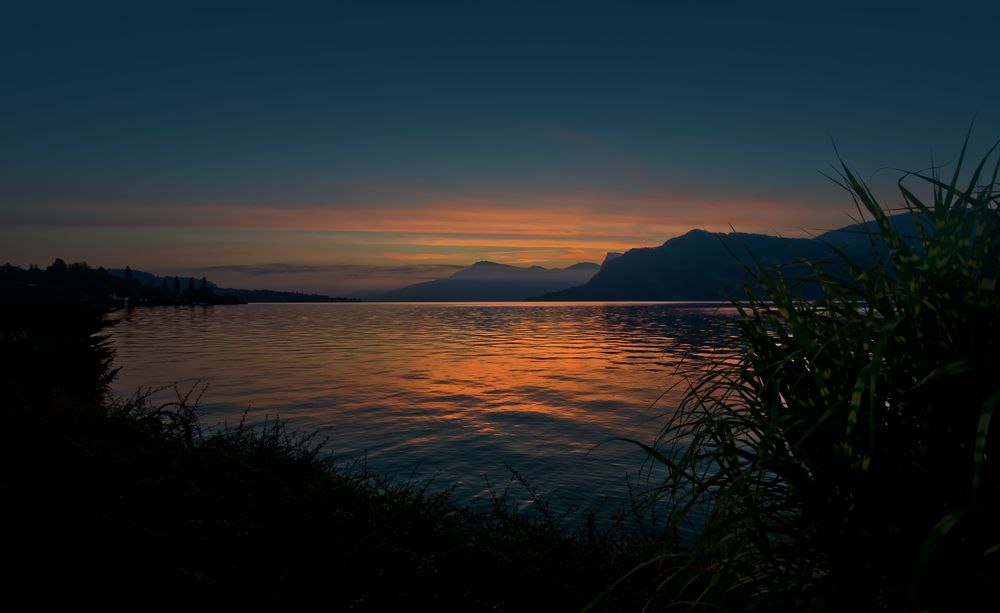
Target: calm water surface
<point>453,392</point>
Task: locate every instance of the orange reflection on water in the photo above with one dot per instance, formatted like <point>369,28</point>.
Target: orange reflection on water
<point>459,390</point>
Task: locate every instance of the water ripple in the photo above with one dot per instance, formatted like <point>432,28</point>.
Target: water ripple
<point>450,391</point>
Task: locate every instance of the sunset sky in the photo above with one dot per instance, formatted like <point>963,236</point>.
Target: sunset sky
<point>369,144</point>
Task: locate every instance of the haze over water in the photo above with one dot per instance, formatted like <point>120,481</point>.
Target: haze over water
<point>454,392</point>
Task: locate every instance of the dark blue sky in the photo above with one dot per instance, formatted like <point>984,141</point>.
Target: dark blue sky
<point>543,132</point>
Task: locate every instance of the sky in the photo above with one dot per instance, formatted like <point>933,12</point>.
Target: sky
<point>348,146</point>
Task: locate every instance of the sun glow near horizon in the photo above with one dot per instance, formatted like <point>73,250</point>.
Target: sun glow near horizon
<point>552,232</point>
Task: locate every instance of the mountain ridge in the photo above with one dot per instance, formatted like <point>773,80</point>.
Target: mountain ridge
<point>703,265</point>
<point>486,281</point>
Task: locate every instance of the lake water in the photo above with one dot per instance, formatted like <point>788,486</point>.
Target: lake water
<point>453,392</point>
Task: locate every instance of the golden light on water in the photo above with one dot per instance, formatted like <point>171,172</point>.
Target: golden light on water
<point>463,389</point>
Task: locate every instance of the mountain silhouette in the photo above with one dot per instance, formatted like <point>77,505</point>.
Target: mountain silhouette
<point>712,266</point>
<point>489,281</point>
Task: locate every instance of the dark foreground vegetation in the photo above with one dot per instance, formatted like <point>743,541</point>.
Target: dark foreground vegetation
<point>119,502</point>
<point>840,457</point>
<point>843,456</point>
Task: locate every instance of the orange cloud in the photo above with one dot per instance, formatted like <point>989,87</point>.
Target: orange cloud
<point>565,225</point>
<point>552,230</point>
<point>417,257</point>
<point>570,215</point>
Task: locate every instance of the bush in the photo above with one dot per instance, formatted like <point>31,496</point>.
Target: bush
<point>840,454</point>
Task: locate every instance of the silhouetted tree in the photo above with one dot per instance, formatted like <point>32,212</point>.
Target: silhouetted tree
<point>177,286</point>
<point>58,267</point>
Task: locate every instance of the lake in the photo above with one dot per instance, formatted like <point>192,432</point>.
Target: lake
<point>457,393</point>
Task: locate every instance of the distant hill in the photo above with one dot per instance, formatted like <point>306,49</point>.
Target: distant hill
<point>611,255</point>
<point>270,295</point>
<point>704,265</point>
<point>241,295</point>
<point>699,265</point>
<point>854,237</point>
<point>490,281</point>
<point>148,278</point>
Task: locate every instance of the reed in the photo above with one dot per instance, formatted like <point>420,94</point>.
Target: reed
<point>840,453</point>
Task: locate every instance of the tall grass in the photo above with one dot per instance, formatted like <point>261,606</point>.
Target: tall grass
<point>840,455</point>
<point>124,502</point>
